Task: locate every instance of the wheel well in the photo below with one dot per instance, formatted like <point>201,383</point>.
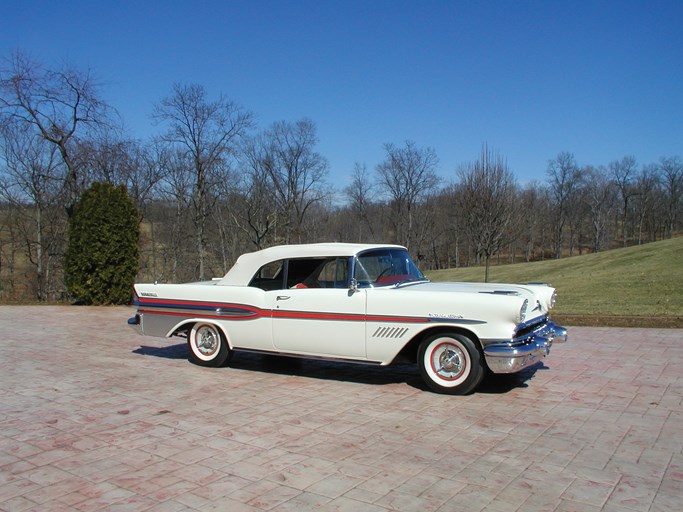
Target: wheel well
<point>183,330</point>
<point>408,353</point>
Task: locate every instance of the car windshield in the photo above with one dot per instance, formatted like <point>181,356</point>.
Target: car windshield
<point>384,267</point>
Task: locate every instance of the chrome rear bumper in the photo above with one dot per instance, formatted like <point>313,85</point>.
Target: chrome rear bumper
<point>135,323</point>
<point>523,351</point>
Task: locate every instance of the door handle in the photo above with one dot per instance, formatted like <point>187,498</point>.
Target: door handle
<point>282,297</point>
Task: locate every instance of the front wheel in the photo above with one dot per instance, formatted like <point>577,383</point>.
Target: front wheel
<point>208,346</point>
<point>450,363</point>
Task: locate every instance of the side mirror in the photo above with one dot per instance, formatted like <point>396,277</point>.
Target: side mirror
<point>353,287</point>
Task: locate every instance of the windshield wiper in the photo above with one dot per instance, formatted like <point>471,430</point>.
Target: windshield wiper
<point>412,281</point>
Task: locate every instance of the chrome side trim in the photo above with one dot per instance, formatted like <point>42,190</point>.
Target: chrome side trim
<point>523,351</point>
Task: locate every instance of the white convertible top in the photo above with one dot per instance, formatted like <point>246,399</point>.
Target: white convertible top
<point>246,265</point>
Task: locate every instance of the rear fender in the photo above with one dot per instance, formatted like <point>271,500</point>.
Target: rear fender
<point>186,325</point>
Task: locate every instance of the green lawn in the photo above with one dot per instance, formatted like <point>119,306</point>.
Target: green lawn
<point>640,285</point>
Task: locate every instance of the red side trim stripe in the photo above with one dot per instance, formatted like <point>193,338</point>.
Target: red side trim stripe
<point>243,312</point>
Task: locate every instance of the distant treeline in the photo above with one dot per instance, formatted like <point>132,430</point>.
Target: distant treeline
<point>212,185</point>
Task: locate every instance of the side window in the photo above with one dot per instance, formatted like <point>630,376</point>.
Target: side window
<point>318,273</point>
<point>334,273</point>
<point>304,272</point>
<point>269,276</point>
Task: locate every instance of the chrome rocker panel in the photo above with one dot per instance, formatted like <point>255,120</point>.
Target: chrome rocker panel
<point>524,351</point>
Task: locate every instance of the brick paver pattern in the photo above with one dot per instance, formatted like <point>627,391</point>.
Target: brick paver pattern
<point>94,417</point>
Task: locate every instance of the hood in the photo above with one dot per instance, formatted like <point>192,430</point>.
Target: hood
<point>540,296</point>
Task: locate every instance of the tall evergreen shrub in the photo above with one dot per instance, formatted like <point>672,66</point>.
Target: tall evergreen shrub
<point>102,257</point>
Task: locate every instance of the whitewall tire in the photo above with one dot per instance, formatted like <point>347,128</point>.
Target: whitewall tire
<point>208,346</point>
<point>450,363</point>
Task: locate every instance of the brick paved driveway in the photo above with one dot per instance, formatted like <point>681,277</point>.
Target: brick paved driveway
<point>95,417</point>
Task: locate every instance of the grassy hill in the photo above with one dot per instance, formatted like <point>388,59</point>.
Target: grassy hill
<point>636,286</point>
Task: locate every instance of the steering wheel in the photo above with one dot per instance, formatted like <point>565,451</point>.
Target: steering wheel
<point>382,273</point>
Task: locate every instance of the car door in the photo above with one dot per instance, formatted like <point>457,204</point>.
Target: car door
<point>318,314</point>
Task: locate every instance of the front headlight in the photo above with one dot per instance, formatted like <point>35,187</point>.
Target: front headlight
<point>522,310</point>
<point>553,299</point>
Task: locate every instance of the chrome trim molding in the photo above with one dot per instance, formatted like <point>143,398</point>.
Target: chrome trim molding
<point>523,351</point>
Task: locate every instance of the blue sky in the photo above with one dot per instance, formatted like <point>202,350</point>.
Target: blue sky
<point>600,79</point>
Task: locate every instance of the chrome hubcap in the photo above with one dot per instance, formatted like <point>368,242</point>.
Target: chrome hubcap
<point>207,341</point>
<point>448,361</point>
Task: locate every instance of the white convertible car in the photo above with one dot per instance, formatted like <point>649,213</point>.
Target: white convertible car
<point>356,303</point>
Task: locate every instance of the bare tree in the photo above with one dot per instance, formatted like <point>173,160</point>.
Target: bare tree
<point>577,213</point>
<point>647,200</point>
<point>360,194</point>
<point>531,219</point>
<point>564,179</point>
<point>486,203</point>
<point>671,170</point>
<point>256,212</point>
<point>599,195</point>
<point>408,173</point>
<point>176,192</point>
<point>10,243</point>
<point>225,187</point>
<point>149,164</point>
<point>120,161</point>
<point>57,105</point>
<point>447,238</point>
<point>623,173</point>
<point>207,132</point>
<point>427,230</point>
<point>32,184</point>
<point>296,172</point>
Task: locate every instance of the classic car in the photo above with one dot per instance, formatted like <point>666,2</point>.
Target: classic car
<point>356,303</point>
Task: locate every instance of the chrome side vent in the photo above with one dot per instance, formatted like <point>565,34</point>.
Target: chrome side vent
<point>390,332</point>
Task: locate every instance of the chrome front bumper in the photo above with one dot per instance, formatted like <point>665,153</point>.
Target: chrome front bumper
<point>525,350</point>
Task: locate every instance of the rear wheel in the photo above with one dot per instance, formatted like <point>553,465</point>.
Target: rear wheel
<point>450,363</point>
<point>208,346</point>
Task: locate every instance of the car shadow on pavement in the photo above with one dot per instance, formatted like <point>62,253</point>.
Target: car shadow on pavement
<point>328,370</point>
<point>178,351</point>
<point>504,382</point>
<point>344,372</point>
